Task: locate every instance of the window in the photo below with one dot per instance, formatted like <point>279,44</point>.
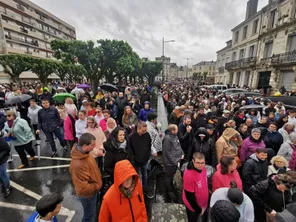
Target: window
<point>268,50</point>
<point>241,54</point>
<point>236,36</point>
<point>251,51</point>
<point>292,43</point>
<point>233,56</point>
<point>272,19</point>
<point>210,67</point>
<point>255,26</point>
<point>245,32</point>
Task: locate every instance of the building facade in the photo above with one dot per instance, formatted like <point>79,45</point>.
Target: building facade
<point>26,28</point>
<point>207,69</point>
<point>223,57</point>
<point>165,73</point>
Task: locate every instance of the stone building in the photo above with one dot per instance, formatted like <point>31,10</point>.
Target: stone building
<point>26,28</point>
<point>223,57</point>
<point>165,73</point>
<point>206,69</point>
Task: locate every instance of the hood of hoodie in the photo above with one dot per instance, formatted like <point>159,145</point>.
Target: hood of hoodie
<point>228,133</point>
<point>78,155</point>
<point>123,170</point>
<point>202,130</point>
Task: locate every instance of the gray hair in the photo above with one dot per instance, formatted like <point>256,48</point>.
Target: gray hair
<point>291,125</point>
<point>293,136</point>
<point>256,130</point>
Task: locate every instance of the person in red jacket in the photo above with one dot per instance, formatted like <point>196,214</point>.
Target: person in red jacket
<point>124,201</point>
<point>226,172</point>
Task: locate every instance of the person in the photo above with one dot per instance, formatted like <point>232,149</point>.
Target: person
<point>186,135</point>
<point>175,115</point>
<point>226,172</point>
<point>243,131</point>
<point>222,121</point>
<point>195,193</point>
<point>86,175</point>
<point>104,101</point>
<point>70,107</point>
<point>203,144</point>
<point>286,130</point>
<point>278,165</point>
<point>224,211</point>
<point>47,208</point>
<point>99,115</point>
<point>4,178</point>
<point>21,137</point>
<point>80,124</point>
<point>98,152</point>
<point>49,122</point>
<point>111,125</point>
<point>33,115</point>
<point>129,120</point>
<point>124,201</point>
<point>291,117</point>
<point>271,196</point>
<point>145,111</point>
<point>289,214</point>
<point>273,139</point>
<point>117,148</point>
<point>288,151</point>
<point>281,121</point>
<point>69,130</point>
<point>264,122</point>
<point>255,169</point>
<point>153,132</point>
<point>103,122</point>
<point>172,153</point>
<point>239,117</point>
<point>200,119</point>
<point>228,143</point>
<point>240,200</point>
<point>121,102</point>
<point>250,144</point>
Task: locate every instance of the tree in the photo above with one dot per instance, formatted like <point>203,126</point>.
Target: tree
<point>62,70</point>
<point>43,68</point>
<point>14,65</point>
<point>76,72</point>
<point>150,70</point>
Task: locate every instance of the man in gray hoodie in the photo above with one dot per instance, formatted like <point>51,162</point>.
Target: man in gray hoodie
<point>172,153</point>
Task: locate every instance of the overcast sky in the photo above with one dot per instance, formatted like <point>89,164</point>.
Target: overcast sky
<point>200,27</point>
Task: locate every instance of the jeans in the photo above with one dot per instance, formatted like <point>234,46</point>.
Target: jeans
<point>169,177</point>
<point>89,208</point>
<point>4,178</point>
<point>142,171</point>
<point>59,135</point>
<point>22,154</point>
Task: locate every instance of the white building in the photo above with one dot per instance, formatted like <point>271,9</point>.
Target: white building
<point>223,57</point>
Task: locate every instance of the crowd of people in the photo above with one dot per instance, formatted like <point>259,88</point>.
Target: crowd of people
<point>236,164</point>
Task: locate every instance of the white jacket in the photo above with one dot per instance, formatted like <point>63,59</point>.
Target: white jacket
<point>33,114</point>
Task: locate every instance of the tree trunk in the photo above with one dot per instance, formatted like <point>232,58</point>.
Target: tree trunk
<point>16,79</point>
<point>43,79</point>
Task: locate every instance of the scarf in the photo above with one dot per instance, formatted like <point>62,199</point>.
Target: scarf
<point>241,116</point>
<point>122,145</point>
<point>292,163</point>
<point>10,123</point>
<point>254,140</point>
<point>128,192</point>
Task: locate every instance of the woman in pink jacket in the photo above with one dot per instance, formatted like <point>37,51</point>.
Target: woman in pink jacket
<point>69,130</point>
<point>251,144</point>
<point>226,172</point>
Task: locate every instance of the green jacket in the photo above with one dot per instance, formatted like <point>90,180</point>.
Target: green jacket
<point>21,130</point>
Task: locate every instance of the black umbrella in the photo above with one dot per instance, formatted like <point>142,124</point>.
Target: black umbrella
<point>109,87</point>
<point>18,99</point>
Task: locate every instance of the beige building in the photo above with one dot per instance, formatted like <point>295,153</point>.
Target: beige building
<point>206,68</point>
<point>25,28</point>
<point>245,47</point>
<point>223,57</point>
<point>165,73</point>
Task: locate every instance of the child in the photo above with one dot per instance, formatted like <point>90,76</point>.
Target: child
<point>47,208</point>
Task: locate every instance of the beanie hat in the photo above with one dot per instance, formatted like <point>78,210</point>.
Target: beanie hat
<point>235,195</point>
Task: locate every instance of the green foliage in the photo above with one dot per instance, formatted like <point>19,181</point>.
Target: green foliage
<point>151,69</point>
<point>14,65</point>
<point>43,68</point>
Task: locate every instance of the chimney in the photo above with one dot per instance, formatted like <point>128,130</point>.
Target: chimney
<point>252,6</point>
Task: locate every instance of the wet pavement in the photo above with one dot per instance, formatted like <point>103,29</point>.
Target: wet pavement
<point>49,175</point>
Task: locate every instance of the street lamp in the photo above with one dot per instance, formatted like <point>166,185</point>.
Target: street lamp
<point>165,41</point>
<point>187,66</point>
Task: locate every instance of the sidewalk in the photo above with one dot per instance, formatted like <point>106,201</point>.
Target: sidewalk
<point>162,113</point>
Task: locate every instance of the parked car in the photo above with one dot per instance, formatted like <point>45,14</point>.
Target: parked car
<point>233,91</point>
<point>219,88</point>
<point>247,94</point>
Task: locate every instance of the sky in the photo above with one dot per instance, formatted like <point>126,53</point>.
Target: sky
<point>199,27</point>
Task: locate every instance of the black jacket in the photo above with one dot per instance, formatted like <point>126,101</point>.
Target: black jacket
<point>2,121</point>
<point>206,146</point>
<point>224,211</point>
<point>200,121</point>
<point>103,103</point>
<point>273,140</point>
<point>185,137</point>
<point>4,150</point>
<point>121,103</point>
<point>267,197</point>
<point>254,171</point>
<point>48,119</point>
<point>141,147</point>
<point>114,155</point>
<point>239,121</point>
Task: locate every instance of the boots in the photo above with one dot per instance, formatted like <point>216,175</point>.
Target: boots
<point>7,192</point>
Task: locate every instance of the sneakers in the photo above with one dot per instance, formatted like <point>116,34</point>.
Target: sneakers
<point>54,154</point>
<point>22,166</point>
<point>9,160</point>
<point>7,192</point>
<point>32,158</point>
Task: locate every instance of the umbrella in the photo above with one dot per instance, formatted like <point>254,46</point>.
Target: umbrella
<point>18,99</point>
<point>83,86</point>
<point>60,97</point>
<point>252,106</point>
<point>109,87</point>
<point>77,91</point>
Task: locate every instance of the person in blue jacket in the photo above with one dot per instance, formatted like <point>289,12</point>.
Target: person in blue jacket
<point>47,208</point>
<point>145,111</point>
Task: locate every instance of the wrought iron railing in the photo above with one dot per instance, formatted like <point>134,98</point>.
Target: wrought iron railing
<point>284,58</point>
<point>242,63</point>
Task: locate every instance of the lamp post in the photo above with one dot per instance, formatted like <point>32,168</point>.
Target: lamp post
<point>163,58</point>
<point>187,66</point>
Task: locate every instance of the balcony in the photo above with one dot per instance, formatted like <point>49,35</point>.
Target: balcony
<point>23,40</point>
<point>241,64</point>
<point>221,70</point>
<point>288,58</point>
<point>15,51</point>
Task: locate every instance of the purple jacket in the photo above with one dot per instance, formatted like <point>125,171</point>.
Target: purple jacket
<point>249,147</point>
